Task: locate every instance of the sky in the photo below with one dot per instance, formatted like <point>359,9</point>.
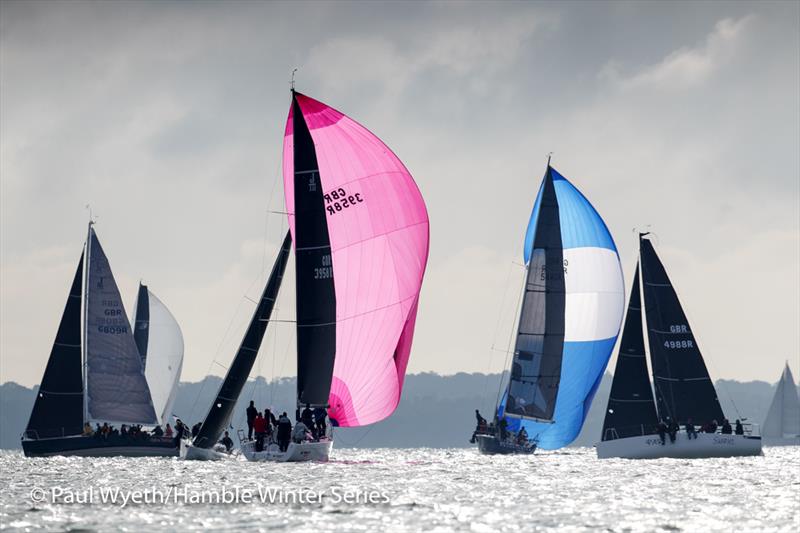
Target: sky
<point>167,118</point>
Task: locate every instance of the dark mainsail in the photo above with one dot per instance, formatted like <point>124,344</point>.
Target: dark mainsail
<point>58,409</point>
<point>631,409</point>
<point>316,296</point>
<point>141,324</point>
<point>683,387</point>
<point>536,367</point>
<point>220,412</point>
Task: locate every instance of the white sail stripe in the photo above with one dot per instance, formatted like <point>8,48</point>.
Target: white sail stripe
<point>595,294</point>
<point>669,332</point>
<point>67,345</point>
<point>630,401</point>
<point>705,378</point>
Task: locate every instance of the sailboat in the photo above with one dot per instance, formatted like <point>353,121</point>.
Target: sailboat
<point>568,323</point>
<point>94,374</point>
<point>206,445</point>
<point>360,231</point>
<point>782,425</point>
<point>159,342</point>
<point>684,391</point>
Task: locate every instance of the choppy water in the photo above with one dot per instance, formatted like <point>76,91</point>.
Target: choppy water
<point>415,489</point>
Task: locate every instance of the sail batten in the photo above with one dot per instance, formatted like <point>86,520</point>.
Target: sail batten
<point>377,227</point>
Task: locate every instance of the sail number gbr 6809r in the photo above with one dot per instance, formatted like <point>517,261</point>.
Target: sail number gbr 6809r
<point>338,199</point>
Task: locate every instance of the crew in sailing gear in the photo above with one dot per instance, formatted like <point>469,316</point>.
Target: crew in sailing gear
<point>299,432</point>
<point>522,437</point>
<point>502,424</point>
<point>260,428</point>
<point>307,418</point>
<point>270,418</point>
<point>690,431</point>
<point>87,430</point>
<point>662,432</point>
<point>196,429</point>
<point>739,428</point>
<point>479,426</point>
<point>226,440</point>
<point>158,432</point>
<point>711,427</point>
<point>726,427</point>
<point>251,416</point>
<point>673,430</point>
<point>168,432</point>
<point>319,417</point>
<point>284,431</point>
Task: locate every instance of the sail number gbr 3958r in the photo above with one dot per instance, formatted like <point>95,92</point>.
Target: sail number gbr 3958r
<point>338,200</point>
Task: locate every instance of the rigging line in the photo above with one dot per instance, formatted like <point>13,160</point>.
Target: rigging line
<point>497,327</point>
<point>510,339</point>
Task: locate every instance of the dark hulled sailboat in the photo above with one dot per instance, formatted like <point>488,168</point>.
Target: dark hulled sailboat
<point>684,391</point>
<point>94,374</point>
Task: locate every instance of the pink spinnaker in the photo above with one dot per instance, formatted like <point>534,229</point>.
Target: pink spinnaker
<point>379,251</point>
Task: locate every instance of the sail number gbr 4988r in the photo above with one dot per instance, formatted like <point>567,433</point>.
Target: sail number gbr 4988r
<point>338,200</point>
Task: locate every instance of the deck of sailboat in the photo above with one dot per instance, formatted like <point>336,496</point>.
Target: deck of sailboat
<point>706,445</point>
<point>492,445</point>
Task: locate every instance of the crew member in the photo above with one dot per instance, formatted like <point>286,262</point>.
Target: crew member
<point>251,416</point>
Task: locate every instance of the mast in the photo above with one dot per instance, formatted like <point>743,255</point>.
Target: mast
<point>220,411</point>
<point>85,329</point>
<point>631,409</point>
<point>315,292</point>
<point>683,387</point>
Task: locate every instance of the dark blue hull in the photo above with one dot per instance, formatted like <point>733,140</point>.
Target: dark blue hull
<point>492,445</point>
<point>115,446</point>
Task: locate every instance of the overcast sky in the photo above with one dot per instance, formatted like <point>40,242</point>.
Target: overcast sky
<point>168,119</point>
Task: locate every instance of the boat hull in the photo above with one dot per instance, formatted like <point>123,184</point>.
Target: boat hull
<point>781,441</point>
<point>296,452</point>
<point>190,452</point>
<point>97,447</point>
<point>491,445</point>
<point>706,445</point>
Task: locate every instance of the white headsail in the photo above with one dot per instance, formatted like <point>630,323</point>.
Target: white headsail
<point>783,417</point>
<point>160,343</point>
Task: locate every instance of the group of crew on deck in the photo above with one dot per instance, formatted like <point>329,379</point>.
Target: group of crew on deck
<point>135,432</point>
<point>310,425</point>
<point>670,428</point>
<point>499,428</point>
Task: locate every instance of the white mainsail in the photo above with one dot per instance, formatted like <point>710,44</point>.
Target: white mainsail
<point>783,417</point>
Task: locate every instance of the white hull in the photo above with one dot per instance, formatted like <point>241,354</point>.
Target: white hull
<point>193,453</point>
<point>704,446</point>
<point>305,451</point>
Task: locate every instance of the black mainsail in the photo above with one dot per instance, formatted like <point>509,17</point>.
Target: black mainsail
<point>631,408</point>
<point>536,367</point>
<point>682,384</point>
<point>220,412</point>
<point>141,322</point>
<point>316,296</point>
<point>58,409</point>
